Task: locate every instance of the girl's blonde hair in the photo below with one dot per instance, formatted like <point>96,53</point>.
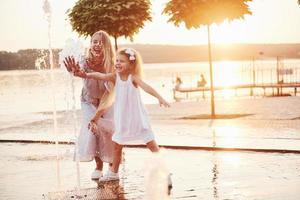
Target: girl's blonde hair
<point>135,60</point>
<point>108,63</point>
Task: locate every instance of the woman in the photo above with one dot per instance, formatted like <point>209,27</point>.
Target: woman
<point>96,95</point>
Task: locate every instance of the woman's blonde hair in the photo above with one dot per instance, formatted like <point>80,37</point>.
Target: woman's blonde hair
<point>108,63</point>
<point>108,51</point>
<point>135,60</point>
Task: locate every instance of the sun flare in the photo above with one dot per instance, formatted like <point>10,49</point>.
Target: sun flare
<point>228,135</point>
<point>225,74</point>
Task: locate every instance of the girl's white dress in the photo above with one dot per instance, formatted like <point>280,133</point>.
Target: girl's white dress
<point>130,116</point>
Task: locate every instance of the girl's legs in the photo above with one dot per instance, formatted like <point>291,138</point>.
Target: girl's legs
<point>117,155</point>
<point>152,146</point>
<point>112,173</point>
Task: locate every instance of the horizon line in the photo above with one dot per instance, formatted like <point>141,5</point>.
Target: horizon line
<point>177,45</point>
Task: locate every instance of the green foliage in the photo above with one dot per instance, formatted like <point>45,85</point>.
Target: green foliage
<point>116,17</point>
<point>195,13</point>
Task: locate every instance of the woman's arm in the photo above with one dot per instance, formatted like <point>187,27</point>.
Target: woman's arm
<point>93,123</point>
<point>102,108</point>
<point>147,88</point>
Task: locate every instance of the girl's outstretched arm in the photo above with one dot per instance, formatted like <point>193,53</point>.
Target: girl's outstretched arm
<point>101,76</point>
<point>147,88</point>
<point>94,75</point>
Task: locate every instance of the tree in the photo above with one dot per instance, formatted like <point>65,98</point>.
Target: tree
<point>116,17</point>
<point>195,13</point>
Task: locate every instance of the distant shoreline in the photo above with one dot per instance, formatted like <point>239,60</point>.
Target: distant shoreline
<point>197,53</point>
<point>25,59</point>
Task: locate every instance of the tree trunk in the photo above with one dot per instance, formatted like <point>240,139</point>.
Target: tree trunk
<point>116,43</point>
<point>212,96</point>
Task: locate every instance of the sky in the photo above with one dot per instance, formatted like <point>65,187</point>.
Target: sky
<point>23,25</point>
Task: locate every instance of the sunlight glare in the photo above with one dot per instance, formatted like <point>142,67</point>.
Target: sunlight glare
<point>225,74</point>
<point>227,135</point>
<point>232,158</point>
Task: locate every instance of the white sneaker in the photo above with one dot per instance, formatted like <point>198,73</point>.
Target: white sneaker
<point>110,176</point>
<point>97,174</point>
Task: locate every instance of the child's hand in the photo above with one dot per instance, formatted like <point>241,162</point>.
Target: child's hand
<point>163,102</point>
<point>80,73</point>
<point>93,127</point>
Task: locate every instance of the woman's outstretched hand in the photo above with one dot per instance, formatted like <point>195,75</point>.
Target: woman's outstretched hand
<point>70,64</point>
<point>74,67</point>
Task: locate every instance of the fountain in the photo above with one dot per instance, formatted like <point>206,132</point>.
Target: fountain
<point>156,180</point>
<point>47,11</point>
<point>75,49</point>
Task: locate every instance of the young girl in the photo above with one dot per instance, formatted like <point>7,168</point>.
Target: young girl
<point>130,116</point>
<point>95,94</point>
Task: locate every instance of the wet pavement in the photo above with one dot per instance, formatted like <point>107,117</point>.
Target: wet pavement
<point>233,133</point>
<point>32,171</point>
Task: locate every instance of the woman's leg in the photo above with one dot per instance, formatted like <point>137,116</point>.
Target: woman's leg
<point>153,146</point>
<point>97,173</point>
<point>117,155</point>
<point>99,163</point>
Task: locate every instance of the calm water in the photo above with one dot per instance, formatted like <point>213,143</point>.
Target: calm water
<point>30,91</point>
